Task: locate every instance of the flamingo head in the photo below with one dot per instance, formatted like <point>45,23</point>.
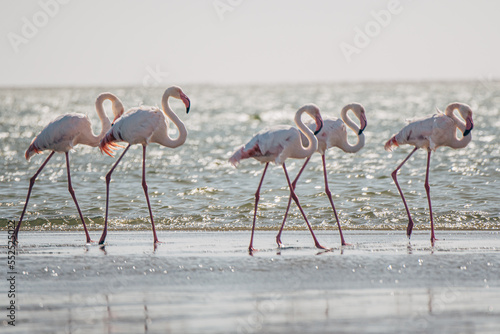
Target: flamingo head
<point>118,110</point>
<point>176,91</point>
<point>313,111</point>
<point>359,111</point>
<point>186,101</point>
<point>466,113</point>
<point>469,125</point>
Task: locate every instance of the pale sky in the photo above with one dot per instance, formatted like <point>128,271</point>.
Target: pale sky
<point>157,42</point>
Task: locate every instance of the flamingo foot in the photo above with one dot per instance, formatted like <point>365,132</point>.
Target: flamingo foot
<point>409,228</point>
<point>318,246</point>
<point>156,243</point>
<point>278,241</point>
<point>103,236</point>
<point>433,240</point>
<point>251,250</point>
<point>346,244</point>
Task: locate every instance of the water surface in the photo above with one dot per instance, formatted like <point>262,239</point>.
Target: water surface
<point>194,187</point>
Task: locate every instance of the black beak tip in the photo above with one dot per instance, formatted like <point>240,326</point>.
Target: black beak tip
<point>187,109</point>
<point>466,132</point>
<point>318,131</point>
<point>361,130</point>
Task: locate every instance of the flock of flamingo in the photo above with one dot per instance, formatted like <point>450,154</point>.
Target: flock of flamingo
<point>144,125</point>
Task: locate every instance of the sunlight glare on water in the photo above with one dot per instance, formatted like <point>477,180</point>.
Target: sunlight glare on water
<point>194,187</point>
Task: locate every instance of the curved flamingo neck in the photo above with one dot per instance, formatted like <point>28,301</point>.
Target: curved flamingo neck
<point>346,147</point>
<point>455,142</point>
<point>105,122</point>
<point>312,140</point>
<point>181,138</point>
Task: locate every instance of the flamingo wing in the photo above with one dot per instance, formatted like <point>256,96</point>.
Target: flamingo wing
<point>417,133</point>
<point>269,145</point>
<point>138,125</point>
<point>273,141</point>
<point>61,135</point>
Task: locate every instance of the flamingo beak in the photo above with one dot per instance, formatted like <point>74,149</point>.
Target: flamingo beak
<point>319,125</point>
<point>363,124</point>
<point>186,101</point>
<point>469,125</point>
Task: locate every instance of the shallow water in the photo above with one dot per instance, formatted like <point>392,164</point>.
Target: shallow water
<point>194,187</point>
<point>205,282</point>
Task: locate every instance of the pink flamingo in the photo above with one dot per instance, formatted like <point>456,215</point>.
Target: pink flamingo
<point>278,144</point>
<point>144,125</point>
<point>431,133</point>
<point>334,134</point>
<point>64,133</point>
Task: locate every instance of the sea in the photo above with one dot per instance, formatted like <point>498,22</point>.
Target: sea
<point>194,187</point>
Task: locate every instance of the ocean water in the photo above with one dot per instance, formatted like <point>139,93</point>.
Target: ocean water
<point>194,187</point>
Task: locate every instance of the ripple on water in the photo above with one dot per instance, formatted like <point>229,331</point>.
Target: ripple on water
<point>194,186</point>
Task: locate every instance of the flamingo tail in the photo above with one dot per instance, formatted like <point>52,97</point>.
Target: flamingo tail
<point>391,144</point>
<point>237,156</point>
<point>108,144</point>
<point>241,154</point>
<point>32,150</point>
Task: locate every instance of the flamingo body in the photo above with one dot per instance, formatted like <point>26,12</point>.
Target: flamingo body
<point>271,145</point>
<point>333,134</point>
<point>428,133</point>
<point>62,134</point>
<point>140,126</point>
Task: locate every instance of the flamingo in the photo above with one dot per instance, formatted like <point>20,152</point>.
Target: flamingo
<point>430,133</point>
<point>144,125</point>
<point>334,134</point>
<point>278,144</point>
<point>64,133</point>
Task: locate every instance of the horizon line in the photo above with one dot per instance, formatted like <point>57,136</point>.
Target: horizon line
<point>249,83</point>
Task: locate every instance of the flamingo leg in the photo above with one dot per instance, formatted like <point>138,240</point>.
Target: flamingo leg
<point>72,192</point>
<point>32,182</point>
<point>428,191</point>
<point>257,196</point>
<point>329,194</point>
<point>145,187</point>
<point>394,177</point>
<point>296,200</point>
<point>294,184</point>
<point>108,180</point>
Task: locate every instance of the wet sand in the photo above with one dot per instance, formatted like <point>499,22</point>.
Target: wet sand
<point>205,282</point>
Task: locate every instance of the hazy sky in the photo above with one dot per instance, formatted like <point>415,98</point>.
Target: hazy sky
<point>159,42</point>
